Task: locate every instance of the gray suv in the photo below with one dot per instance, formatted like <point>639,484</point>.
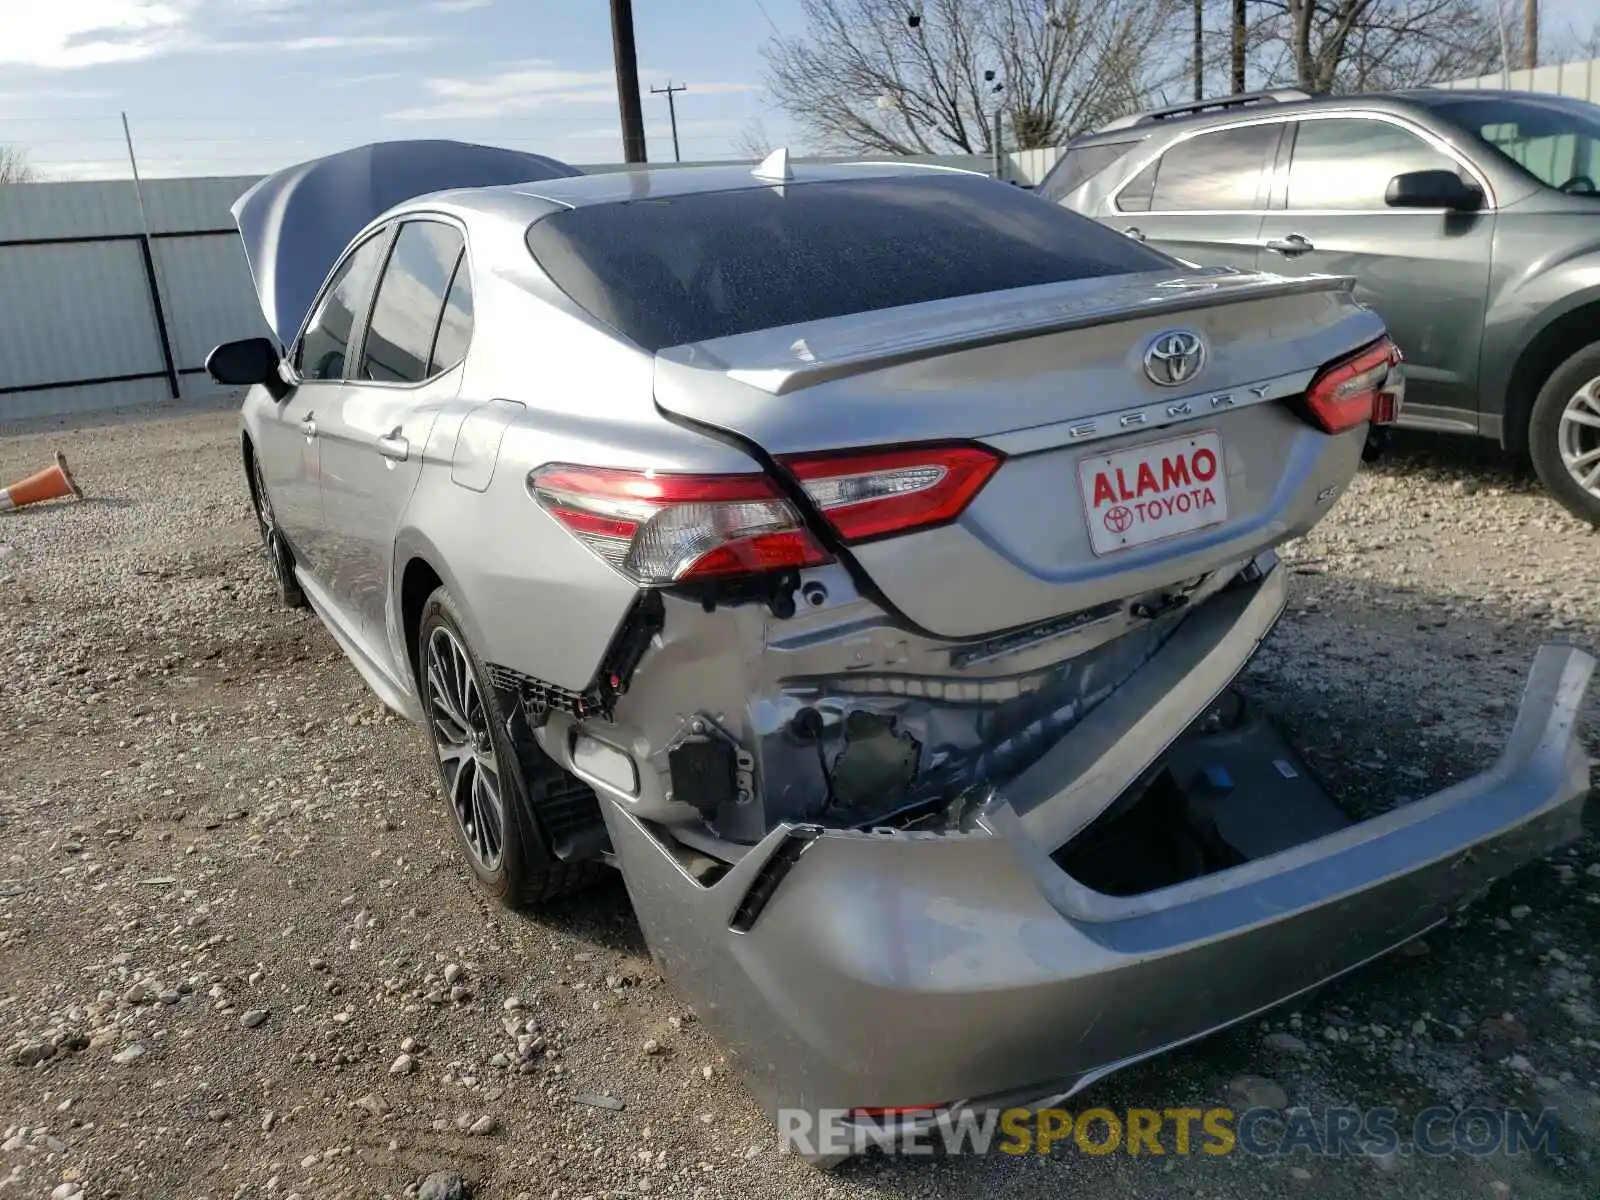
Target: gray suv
<point>1470,220</point>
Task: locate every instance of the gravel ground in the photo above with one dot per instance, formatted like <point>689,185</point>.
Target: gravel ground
<point>239,955</point>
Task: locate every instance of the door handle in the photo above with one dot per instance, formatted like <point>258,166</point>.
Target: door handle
<point>308,426</point>
<point>394,446</point>
<point>1290,246</point>
<point>1134,232</point>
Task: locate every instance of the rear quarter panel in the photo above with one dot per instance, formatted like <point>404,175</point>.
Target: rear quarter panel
<point>534,598</point>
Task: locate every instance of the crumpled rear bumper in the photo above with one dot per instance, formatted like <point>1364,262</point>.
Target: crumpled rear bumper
<point>889,969</point>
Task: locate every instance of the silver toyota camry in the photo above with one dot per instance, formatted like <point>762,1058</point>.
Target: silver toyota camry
<point>859,559</point>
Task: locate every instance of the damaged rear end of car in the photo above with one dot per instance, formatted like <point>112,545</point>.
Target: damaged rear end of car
<point>917,748</point>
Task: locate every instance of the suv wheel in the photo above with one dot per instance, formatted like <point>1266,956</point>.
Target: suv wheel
<point>1564,434</point>
<point>480,771</point>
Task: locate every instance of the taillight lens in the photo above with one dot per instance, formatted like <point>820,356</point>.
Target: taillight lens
<point>1367,386</point>
<point>659,528</point>
<point>878,493</point>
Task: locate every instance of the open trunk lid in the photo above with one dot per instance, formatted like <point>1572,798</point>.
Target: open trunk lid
<point>1123,469</point>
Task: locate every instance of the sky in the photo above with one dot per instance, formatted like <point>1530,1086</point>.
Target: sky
<point>224,87</point>
<point>221,87</point>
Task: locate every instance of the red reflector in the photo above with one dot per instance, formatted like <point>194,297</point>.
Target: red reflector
<point>879,493</point>
<point>659,528</point>
<point>903,1111</point>
<point>1367,386</point>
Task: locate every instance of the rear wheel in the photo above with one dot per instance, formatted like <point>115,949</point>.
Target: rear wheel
<point>280,559</point>
<point>481,771</point>
<point>1564,434</point>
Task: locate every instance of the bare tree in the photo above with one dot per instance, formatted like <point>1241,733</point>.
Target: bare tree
<point>14,167</point>
<point>1364,45</point>
<point>925,76</point>
<point>753,142</point>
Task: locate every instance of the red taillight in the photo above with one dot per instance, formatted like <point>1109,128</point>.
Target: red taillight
<point>1367,386</point>
<point>658,528</point>
<point>876,493</point>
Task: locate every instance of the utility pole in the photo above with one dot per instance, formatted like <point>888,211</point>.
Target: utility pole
<point>1239,19</point>
<point>1530,33</point>
<point>627,59</point>
<point>1199,49</point>
<point>672,112</point>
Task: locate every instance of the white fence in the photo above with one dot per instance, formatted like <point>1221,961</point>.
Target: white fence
<point>1580,80</point>
<point>95,314</point>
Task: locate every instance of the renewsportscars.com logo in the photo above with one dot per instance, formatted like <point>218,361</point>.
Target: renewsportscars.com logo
<point>1260,1132</point>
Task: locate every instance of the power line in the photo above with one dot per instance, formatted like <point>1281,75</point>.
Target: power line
<point>778,32</point>
<point>672,112</point>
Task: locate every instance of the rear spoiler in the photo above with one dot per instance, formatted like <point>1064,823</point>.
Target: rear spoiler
<point>859,343</point>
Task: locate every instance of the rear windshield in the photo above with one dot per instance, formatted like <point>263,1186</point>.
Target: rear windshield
<point>686,268</point>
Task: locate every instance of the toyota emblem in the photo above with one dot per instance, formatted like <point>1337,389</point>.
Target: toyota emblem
<point>1174,357</point>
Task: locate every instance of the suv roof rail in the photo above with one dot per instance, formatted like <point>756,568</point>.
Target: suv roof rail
<point>1273,96</point>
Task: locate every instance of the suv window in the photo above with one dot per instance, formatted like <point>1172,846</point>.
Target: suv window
<point>1211,172</point>
<point>327,336</point>
<point>674,269</point>
<point>1347,162</point>
<point>1080,164</point>
<point>1554,139</point>
<point>405,316</point>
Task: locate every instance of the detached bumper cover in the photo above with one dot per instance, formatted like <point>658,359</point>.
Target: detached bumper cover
<point>894,969</point>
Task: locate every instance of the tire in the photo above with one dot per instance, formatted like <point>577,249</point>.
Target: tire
<point>280,559</point>
<point>1564,434</point>
<point>481,773</point>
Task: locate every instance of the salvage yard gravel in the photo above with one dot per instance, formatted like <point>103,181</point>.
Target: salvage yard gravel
<point>240,955</point>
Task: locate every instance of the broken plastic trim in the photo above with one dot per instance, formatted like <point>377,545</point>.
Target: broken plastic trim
<point>538,698</point>
<point>772,873</point>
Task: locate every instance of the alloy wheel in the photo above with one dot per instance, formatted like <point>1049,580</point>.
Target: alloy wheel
<point>269,523</point>
<point>461,733</point>
<point>1578,437</point>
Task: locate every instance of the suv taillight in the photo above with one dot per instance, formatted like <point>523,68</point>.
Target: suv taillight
<point>1369,385</point>
<point>881,493</point>
<point>659,528</point>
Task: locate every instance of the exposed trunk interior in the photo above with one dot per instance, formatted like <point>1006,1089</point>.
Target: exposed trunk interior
<point>1231,789</point>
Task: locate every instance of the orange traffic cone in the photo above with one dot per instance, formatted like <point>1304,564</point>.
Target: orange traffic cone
<point>52,483</point>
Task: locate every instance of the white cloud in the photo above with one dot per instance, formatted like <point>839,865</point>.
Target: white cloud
<point>350,81</point>
<point>73,34</point>
<point>89,33</point>
<point>458,6</point>
<point>374,41</point>
<point>529,86</point>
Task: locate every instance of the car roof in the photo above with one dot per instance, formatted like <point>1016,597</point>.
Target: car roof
<point>1142,126</point>
<point>647,183</point>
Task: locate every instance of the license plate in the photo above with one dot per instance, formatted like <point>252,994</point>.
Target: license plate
<point>1153,492</point>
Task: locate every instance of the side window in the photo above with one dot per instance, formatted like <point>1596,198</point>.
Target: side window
<point>1135,197</point>
<point>455,327</point>
<point>405,316</point>
<point>1347,162</point>
<point>322,350</point>
<point>1079,165</point>
<point>1217,171</point>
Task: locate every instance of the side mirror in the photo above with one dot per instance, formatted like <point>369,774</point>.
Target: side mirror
<point>1433,189</point>
<point>249,361</point>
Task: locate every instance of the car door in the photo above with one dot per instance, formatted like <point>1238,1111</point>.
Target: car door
<point>1425,271</point>
<point>1203,198</point>
<point>290,451</point>
<point>373,436</point>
